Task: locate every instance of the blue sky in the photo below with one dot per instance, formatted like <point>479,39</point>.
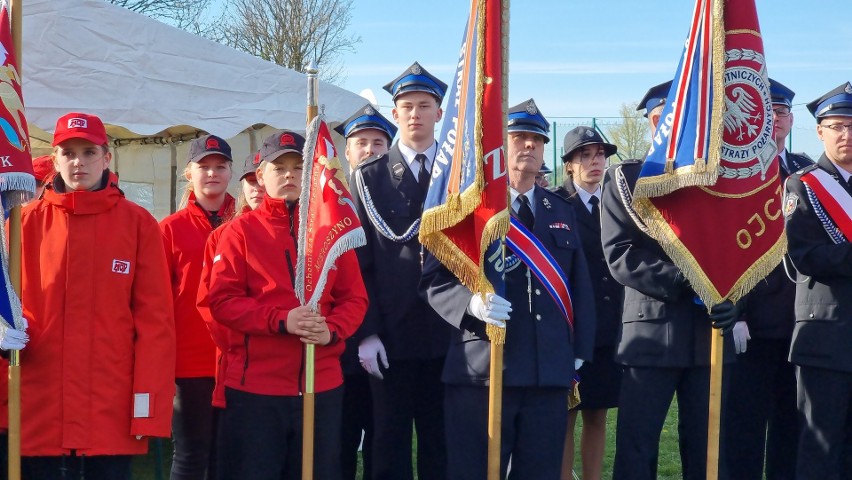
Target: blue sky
<point>584,59</point>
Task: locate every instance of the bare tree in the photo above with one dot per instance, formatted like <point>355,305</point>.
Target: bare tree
<point>632,135</point>
<point>180,13</point>
<point>291,33</point>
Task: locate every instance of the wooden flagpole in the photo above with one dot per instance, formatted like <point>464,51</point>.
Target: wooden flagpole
<point>716,362</point>
<point>310,349</point>
<point>495,384</point>
<point>16,14</point>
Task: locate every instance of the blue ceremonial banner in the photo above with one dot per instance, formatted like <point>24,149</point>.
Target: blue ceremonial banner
<point>681,153</point>
<point>465,213</point>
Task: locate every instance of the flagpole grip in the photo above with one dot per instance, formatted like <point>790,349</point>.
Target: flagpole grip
<point>715,410</point>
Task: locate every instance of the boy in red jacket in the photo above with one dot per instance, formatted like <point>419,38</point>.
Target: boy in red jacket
<point>252,292</point>
<point>99,365</point>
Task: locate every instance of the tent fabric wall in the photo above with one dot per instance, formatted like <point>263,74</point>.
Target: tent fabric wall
<point>156,87</point>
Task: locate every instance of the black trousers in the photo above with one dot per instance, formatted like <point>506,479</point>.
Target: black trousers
<point>411,395</point>
<point>825,443</point>
<point>760,413</point>
<point>263,436</point>
<point>73,467</point>
<point>534,422</point>
<point>357,418</point>
<point>192,428</point>
<point>646,395</point>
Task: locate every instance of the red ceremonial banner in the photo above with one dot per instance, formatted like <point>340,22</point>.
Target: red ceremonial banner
<point>17,183</point>
<point>328,222</point>
<point>727,236</point>
<point>466,212</point>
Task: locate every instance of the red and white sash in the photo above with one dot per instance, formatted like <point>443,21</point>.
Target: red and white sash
<point>833,197</point>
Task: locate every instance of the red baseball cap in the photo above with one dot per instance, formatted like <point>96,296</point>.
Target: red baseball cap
<point>80,125</point>
<point>43,168</point>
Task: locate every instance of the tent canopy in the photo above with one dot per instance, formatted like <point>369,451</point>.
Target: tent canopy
<point>145,78</point>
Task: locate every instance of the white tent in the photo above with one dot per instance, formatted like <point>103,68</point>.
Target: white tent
<point>156,86</point>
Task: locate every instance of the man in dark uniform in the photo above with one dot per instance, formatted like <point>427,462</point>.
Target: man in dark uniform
<point>368,133</point>
<point>541,352</point>
<point>818,233</point>
<point>585,160</point>
<point>760,414</point>
<point>665,339</point>
<point>403,341</point>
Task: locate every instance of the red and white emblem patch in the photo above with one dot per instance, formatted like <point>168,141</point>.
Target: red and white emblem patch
<point>121,266</point>
<point>78,122</point>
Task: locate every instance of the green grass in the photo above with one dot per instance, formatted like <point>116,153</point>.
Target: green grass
<point>144,468</point>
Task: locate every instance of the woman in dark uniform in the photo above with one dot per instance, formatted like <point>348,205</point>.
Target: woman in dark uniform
<point>600,379</point>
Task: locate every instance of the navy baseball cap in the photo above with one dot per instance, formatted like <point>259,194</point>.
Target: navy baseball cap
<point>416,79</point>
<point>279,143</point>
<point>837,102</point>
<point>655,97</point>
<point>364,119</point>
<point>209,145</point>
<point>526,117</point>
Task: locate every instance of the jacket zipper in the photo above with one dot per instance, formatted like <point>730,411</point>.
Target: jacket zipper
<point>246,363</point>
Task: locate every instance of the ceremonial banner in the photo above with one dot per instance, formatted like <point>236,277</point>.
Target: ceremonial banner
<point>709,190</point>
<point>465,213</point>
<point>17,184</point>
<point>328,223</point>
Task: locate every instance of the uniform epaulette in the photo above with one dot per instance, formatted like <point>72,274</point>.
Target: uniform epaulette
<point>807,169</point>
<point>553,194</point>
<point>369,161</point>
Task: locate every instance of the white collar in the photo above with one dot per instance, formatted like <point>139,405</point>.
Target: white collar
<point>409,153</point>
<point>585,196</point>
<point>530,194</point>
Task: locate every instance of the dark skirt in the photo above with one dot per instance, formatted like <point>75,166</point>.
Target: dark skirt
<point>600,381</point>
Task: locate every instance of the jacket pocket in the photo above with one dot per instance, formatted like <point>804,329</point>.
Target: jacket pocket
<point>817,312</point>
<point>643,309</point>
<point>564,239</point>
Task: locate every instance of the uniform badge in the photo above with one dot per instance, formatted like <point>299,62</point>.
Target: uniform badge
<point>560,225</point>
<point>531,108</point>
<point>121,266</point>
<point>415,69</point>
<point>546,203</point>
<point>369,110</point>
<point>791,201</point>
<point>590,133</point>
<point>848,88</point>
<point>398,170</point>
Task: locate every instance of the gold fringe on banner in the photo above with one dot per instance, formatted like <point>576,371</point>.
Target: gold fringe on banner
<point>662,232</point>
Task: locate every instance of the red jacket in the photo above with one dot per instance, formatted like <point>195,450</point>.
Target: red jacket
<point>218,332</point>
<point>251,292</point>
<point>184,235</point>
<point>96,292</point>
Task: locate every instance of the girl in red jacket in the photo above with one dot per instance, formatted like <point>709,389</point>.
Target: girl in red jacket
<point>98,378</point>
<point>252,293</point>
<point>184,234</point>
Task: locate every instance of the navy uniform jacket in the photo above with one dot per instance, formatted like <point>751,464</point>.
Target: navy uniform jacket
<point>406,324</point>
<point>662,326</point>
<point>539,350</point>
<point>770,308</point>
<point>823,332</point>
<point>609,294</point>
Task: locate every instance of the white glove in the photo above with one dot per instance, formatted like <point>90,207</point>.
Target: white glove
<point>11,339</point>
<point>494,309</point>
<point>741,336</point>
<point>370,350</point>
<point>578,362</point>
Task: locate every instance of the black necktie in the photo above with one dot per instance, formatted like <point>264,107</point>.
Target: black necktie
<point>596,211</point>
<point>525,214</point>
<point>423,174</point>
